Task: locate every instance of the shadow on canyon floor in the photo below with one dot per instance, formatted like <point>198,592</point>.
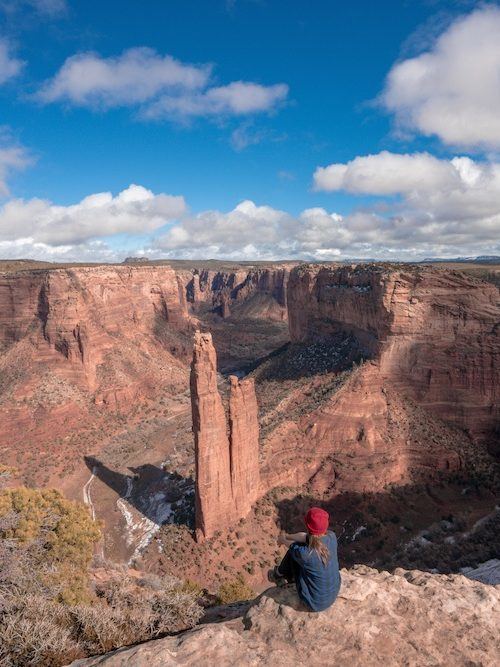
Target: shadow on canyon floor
<point>147,487</point>
<point>437,527</point>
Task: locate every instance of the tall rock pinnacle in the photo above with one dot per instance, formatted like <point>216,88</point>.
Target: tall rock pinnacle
<point>227,469</point>
<point>244,443</point>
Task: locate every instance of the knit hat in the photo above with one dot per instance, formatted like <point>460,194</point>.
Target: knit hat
<point>317,521</point>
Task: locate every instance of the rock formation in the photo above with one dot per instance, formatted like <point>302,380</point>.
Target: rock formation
<point>379,619</point>
<point>434,334</point>
<point>227,467</point>
<point>214,500</point>
<point>80,345</point>
<point>244,444</point>
<point>429,385</point>
<point>225,289</point>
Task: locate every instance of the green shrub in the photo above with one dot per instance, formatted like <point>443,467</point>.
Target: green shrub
<point>234,590</point>
<point>57,534</point>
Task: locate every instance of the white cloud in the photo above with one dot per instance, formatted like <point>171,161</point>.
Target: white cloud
<point>388,173</point>
<point>236,99</point>
<point>265,230</point>
<point>9,66</point>
<point>160,86</point>
<point>453,90</point>
<point>135,76</point>
<point>136,210</point>
<point>12,157</point>
<point>445,206</point>
<point>461,217</point>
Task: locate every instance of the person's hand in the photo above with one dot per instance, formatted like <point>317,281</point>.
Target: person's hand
<point>282,538</point>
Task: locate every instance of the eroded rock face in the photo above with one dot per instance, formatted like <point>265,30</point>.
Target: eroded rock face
<point>213,498</point>
<point>434,334</point>
<point>79,344</point>
<point>76,313</point>
<point>244,443</point>
<point>225,289</point>
<point>227,466</point>
<point>405,618</point>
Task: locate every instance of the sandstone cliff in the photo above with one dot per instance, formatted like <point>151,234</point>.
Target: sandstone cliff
<point>408,618</point>
<point>435,334</point>
<point>227,466</point>
<point>254,291</point>
<point>429,385</point>
<point>78,345</point>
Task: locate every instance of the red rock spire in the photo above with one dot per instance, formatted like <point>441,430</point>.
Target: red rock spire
<point>227,467</point>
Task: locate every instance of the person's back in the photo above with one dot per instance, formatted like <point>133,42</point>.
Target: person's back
<point>318,582</point>
<point>311,562</point>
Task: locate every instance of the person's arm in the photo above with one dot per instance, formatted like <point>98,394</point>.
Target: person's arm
<point>289,538</point>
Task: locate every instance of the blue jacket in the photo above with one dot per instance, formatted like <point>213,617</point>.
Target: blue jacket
<point>317,584</point>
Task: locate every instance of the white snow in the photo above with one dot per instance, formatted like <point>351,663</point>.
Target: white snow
<point>487,573</point>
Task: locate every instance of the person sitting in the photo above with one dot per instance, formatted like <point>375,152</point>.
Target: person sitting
<point>311,562</point>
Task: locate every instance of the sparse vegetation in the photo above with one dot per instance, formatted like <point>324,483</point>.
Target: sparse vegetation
<point>234,590</point>
<point>50,613</point>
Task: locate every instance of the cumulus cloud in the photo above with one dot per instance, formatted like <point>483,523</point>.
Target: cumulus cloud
<point>9,66</point>
<point>443,206</point>
<point>461,217</point>
<point>453,90</point>
<point>135,210</point>
<point>135,76</point>
<point>160,86</point>
<point>12,157</point>
<point>388,173</point>
<point>245,231</point>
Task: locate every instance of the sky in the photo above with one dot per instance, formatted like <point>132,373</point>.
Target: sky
<point>249,129</point>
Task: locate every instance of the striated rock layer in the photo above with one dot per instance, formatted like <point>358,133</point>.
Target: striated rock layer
<point>80,345</point>
<point>227,466</point>
<point>408,618</point>
<point>435,334</point>
<point>241,288</point>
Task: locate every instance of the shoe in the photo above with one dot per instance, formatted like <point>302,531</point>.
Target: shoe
<point>275,577</point>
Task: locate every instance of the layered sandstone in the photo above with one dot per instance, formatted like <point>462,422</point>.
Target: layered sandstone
<point>379,619</point>
<point>81,349</point>
<point>434,333</point>
<point>227,466</point>
<point>213,498</point>
<point>244,444</point>
<point>428,387</point>
<point>225,289</point>
<point>76,314</point>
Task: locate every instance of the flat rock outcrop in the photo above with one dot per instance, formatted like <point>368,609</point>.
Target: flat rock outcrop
<point>405,618</point>
<point>227,463</point>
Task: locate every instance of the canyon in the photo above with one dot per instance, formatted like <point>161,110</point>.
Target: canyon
<point>343,385</point>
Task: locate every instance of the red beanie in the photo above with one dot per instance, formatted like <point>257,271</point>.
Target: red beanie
<point>317,521</point>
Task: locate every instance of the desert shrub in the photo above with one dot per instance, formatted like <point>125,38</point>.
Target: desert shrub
<point>38,631</point>
<point>49,615</point>
<point>53,536</point>
<point>234,590</point>
<point>35,631</point>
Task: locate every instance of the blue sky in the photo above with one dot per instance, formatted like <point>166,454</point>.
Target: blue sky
<point>205,105</point>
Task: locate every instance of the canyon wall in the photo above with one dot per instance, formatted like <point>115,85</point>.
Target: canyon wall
<point>435,334</point>
<point>223,290</point>
<point>227,469</point>
<point>428,387</point>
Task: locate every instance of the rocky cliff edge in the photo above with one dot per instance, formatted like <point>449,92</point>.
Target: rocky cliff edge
<point>406,618</point>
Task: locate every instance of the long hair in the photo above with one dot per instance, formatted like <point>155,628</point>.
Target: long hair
<point>316,544</point>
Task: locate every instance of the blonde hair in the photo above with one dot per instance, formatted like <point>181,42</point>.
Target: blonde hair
<point>316,544</point>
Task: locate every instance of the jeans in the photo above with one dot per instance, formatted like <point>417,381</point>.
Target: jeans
<point>288,568</point>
